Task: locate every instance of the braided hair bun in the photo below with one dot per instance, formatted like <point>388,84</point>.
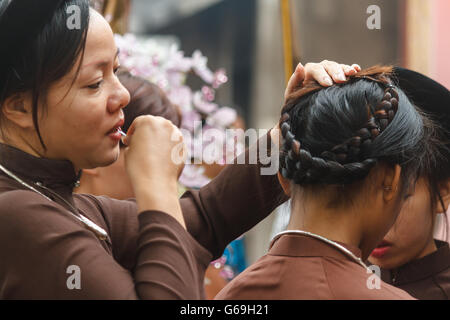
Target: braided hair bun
<point>336,135</point>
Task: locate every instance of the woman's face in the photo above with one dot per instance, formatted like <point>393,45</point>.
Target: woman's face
<point>81,117</point>
<point>411,236</point>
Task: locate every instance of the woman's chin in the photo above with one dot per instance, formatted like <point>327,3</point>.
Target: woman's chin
<point>109,157</point>
<point>112,159</point>
<point>385,262</point>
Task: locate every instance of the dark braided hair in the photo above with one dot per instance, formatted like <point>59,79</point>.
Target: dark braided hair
<point>336,135</point>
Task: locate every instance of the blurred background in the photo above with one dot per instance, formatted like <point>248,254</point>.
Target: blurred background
<point>258,42</point>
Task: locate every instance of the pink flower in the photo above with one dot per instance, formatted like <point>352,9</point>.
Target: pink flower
<point>199,64</point>
<point>176,61</point>
<point>182,96</point>
<point>189,119</point>
<point>219,263</point>
<point>220,77</point>
<point>203,106</point>
<point>224,117</point>
<point>168,67</point>
<point>227,273</point>
<point>193,177</point>
<point>208,93</point>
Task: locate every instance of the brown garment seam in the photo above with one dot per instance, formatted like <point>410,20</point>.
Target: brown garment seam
<point>326,278</point>
<point>439,286</point>
<point>96,202</point>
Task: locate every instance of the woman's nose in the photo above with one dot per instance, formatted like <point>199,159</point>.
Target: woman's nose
<point>119,99</point>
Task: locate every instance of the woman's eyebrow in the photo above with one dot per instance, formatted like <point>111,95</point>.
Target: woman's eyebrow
<point>101,64</point>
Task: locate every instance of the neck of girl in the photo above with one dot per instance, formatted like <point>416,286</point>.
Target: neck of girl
<point>341,225</point>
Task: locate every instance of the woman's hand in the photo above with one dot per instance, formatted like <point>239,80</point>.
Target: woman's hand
<point>154,159</point>
<point>325,73</point>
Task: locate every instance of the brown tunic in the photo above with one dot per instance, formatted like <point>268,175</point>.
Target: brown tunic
<point>147,256</point>
<point>427,278</point>
<point>302,267</point>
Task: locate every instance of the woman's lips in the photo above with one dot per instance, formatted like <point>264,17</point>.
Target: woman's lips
<point>115,134</point>
<point>380,251</point>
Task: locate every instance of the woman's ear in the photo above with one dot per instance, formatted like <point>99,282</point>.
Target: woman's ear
<point>285,184</point>
<point>444,191</point>
<point>17,109</point>
<point>391,181</point>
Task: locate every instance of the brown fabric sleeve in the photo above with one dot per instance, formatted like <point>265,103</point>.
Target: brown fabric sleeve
<point>40,241</point>
<point>122,224</point>
<point>176,261</point>
<point>232,203</point>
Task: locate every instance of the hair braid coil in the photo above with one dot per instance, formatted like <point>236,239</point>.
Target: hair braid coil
<point>344,163</point>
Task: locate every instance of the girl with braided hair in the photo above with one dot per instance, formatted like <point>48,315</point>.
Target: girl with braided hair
<point>350,156</point>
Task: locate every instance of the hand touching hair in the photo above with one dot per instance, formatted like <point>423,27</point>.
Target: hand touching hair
<point>336,135</point>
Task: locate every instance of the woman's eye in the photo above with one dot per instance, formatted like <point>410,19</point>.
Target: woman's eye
<point>96,85</point>
<point>116,69</point>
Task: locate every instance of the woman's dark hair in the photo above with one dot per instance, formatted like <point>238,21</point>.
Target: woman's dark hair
<point>45,56</point>
<point>146,98</point>
<point>336,135</point>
